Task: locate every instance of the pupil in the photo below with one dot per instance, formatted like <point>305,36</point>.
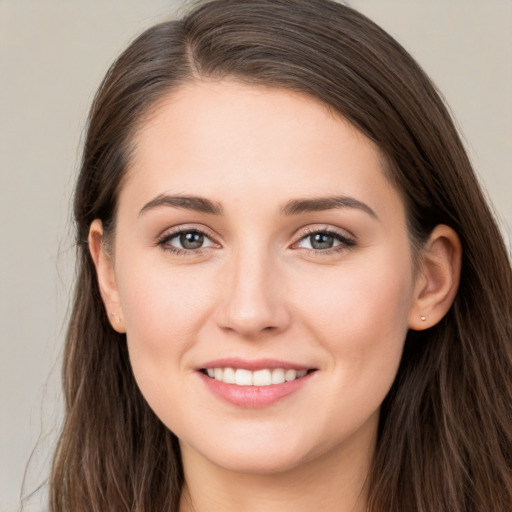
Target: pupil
<point>321,241</point>
<point>191,240</point>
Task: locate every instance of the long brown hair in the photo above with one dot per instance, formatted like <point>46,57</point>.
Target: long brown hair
<point>445,433</point>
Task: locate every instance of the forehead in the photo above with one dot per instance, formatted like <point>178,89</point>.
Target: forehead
<point>224,139</point>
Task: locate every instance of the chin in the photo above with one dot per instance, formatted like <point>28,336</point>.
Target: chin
<point>257,455</point>
<point>272,461</point>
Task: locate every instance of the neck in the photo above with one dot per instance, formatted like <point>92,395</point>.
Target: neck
<point>334,482</point>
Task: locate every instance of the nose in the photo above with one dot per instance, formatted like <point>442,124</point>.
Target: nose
<point>253,302</point>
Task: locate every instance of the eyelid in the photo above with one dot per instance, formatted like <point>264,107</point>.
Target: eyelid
<point>326,228</point>
<point>170,233</point>
<point>347,239</point>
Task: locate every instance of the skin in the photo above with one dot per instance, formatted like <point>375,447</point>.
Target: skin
<point>257,289</point>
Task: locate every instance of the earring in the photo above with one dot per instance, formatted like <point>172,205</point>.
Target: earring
<point>117,322</point>
<point>423,318</point>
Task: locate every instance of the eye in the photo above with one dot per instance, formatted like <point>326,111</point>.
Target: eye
<point>185,240</point>
<point>190,240</point>
<point>323,240</point>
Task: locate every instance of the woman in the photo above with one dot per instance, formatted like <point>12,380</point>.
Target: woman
<point>291,291</point>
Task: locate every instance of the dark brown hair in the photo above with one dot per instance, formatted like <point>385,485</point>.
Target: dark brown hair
<point>445,433</point>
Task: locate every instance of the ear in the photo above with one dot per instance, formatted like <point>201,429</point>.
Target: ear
<point>437,278</point>
<point>106,276</point>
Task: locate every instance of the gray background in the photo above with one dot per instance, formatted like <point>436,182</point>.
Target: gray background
<point>53,55</point>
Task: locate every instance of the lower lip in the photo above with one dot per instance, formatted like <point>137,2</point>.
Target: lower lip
<point>254,397</point>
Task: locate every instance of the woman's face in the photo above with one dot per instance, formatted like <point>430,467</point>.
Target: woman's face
<point>258,240</point>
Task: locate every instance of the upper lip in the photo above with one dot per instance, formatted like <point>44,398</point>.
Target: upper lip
<point>253,364</point>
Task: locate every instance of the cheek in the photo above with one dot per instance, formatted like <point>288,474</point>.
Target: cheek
<point>360,312</point>
<point>360,318</point>
<point>163,311</point>
<point>159,301</point>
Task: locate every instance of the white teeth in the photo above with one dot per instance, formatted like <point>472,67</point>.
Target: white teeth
<point>228,376</point>
<point>243,377</point>
<point>278,376</point>
<point>290,375</point>
<point>262,378</point>
<point>265,377</point>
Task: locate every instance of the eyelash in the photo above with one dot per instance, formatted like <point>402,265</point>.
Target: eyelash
<point>346,243</point>
<point>164,240</point>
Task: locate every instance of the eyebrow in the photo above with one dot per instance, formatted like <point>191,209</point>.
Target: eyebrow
<point>198,204</point>
<point>293,207</point>
<point>297,206</point>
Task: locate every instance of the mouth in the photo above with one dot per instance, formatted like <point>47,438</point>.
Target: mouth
<point>261,377</point>
<point>254,383</point>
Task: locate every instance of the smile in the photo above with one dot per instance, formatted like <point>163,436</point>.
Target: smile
<point>263,377</point>
<point>250,383</point>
